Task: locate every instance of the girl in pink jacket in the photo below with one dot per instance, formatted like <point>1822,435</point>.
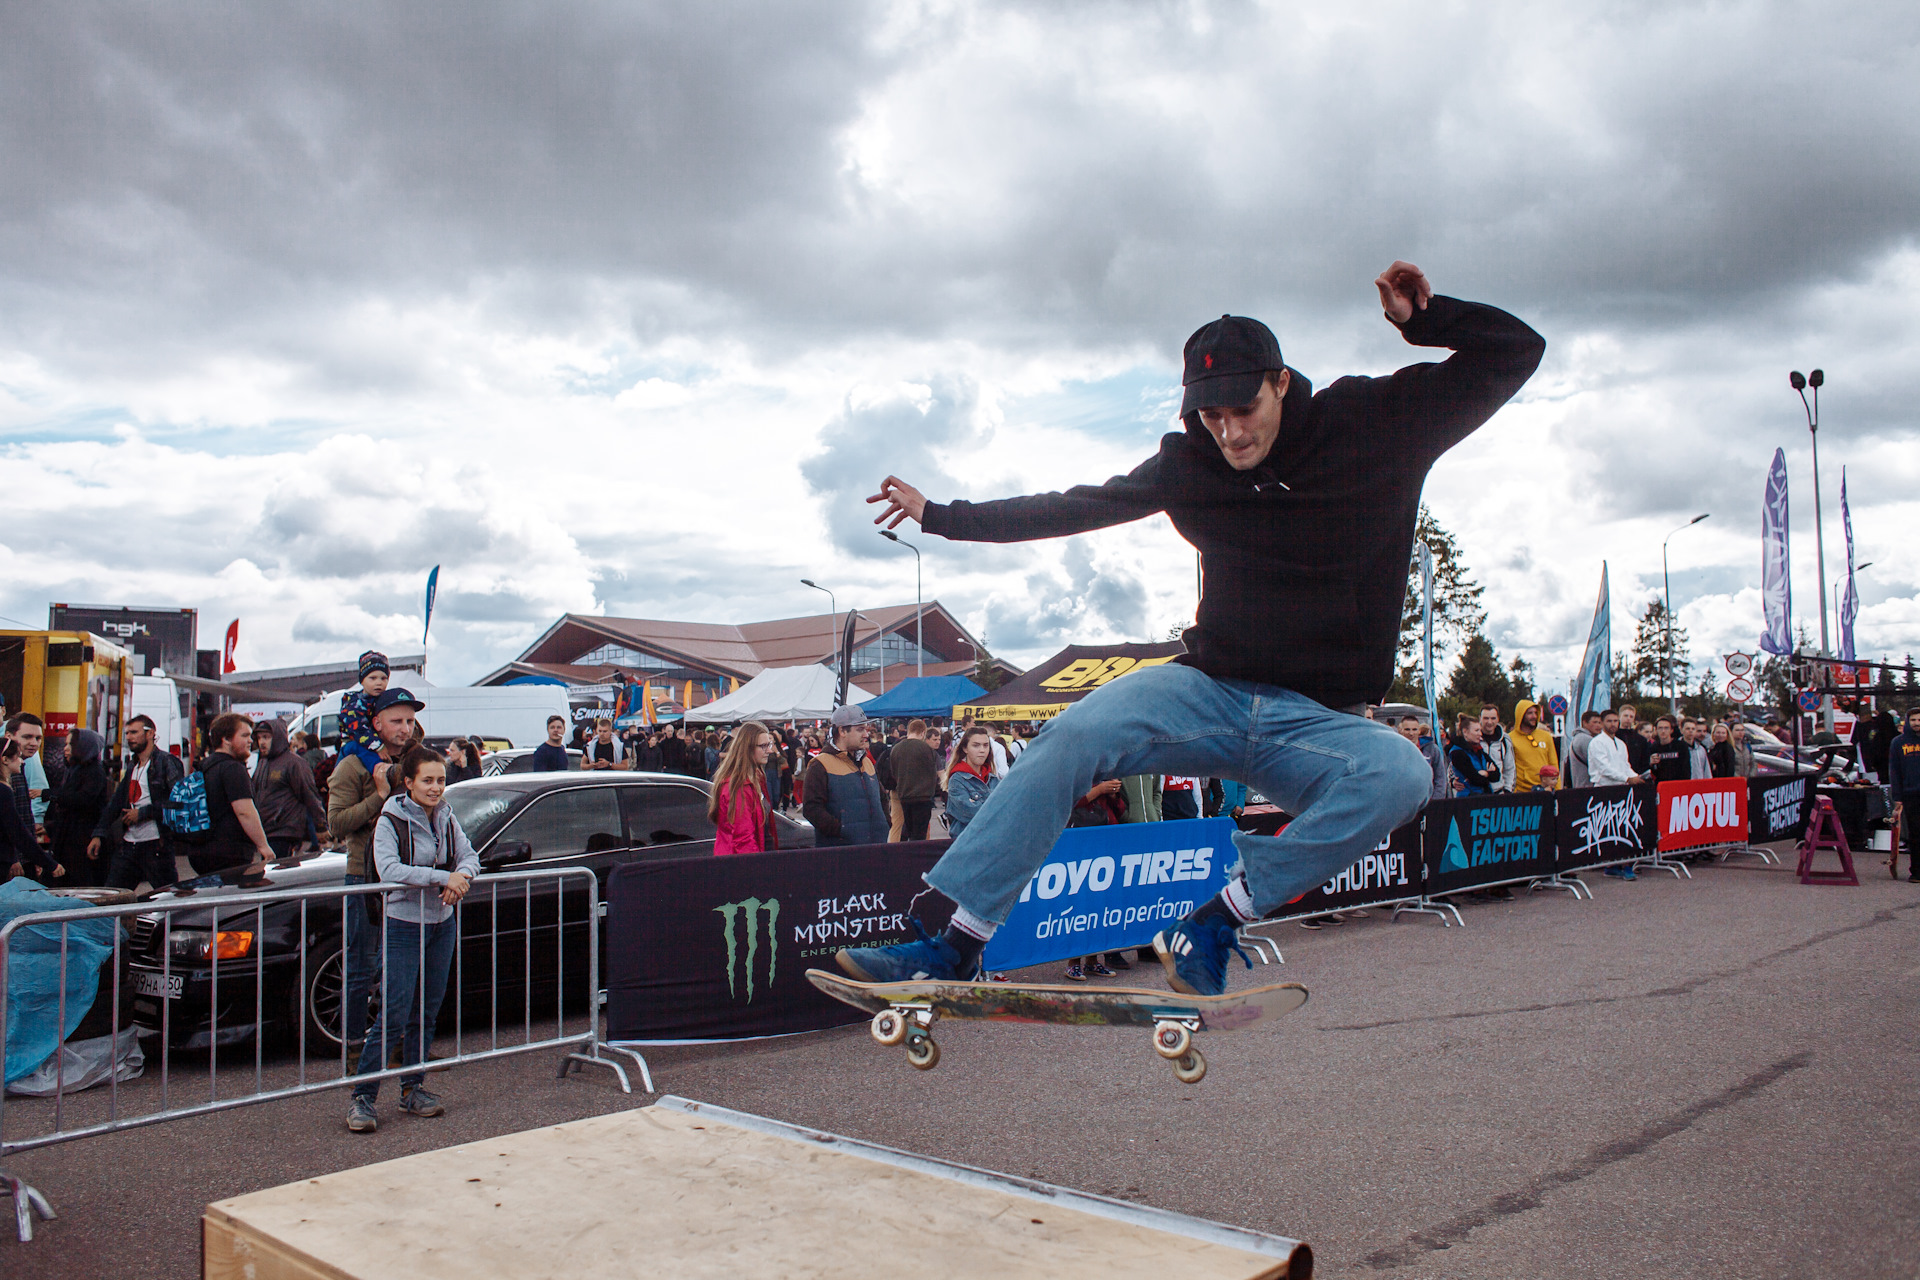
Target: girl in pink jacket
<point>738,805</point>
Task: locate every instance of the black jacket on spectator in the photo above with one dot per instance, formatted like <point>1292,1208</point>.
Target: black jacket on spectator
<point>1723,758</point>
<point>843,800</point>
<point>1305,556</point>
<point>74,805</point>
<point>1668,760</point>
<point>1639,751</point>
<point>18,845</point>
<point>1903,765</point>
<point>283,790</point>
<point>163,770</point>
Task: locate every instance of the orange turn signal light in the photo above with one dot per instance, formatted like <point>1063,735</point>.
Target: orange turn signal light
<point>233,945</point>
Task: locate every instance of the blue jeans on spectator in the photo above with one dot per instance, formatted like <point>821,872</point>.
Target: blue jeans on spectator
<point>415,983</point>
<point>362,958</point>
<point>1348,780</point>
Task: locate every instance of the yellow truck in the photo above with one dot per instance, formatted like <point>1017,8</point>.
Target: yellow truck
<point>71,680</point>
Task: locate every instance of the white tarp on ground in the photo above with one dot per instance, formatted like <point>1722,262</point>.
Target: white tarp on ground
<point>778,693</point>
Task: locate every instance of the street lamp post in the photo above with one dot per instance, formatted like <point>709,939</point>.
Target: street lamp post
<point>833,611</point>
<point>920,653</point>
<point>1816,380</point>
<point>1666,660</point>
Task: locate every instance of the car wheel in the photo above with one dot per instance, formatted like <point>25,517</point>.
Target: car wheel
<point>323,996</point>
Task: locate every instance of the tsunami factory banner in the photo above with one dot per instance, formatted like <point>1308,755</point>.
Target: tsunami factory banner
<point>1705,811</point>
<point>1605,824</point>
<point>1112,888</point>
<point>718,948</point>
<point>1487,840</point>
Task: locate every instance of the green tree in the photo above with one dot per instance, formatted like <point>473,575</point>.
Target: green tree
<point>1884,685</point>
<point>1520,683</point>
<point>1909,685</point>
<point>1626,684</point>
<point>1655,666</point>
<point>1705,701</point>
<point>1457,611</point>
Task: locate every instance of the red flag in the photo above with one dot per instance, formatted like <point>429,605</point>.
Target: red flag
<point>226,655</point>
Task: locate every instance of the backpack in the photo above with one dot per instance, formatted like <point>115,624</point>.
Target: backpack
<point>403,836</point>
<point>184,812</point>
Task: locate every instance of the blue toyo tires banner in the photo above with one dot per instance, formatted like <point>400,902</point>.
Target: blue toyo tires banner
<point>1112,888</point>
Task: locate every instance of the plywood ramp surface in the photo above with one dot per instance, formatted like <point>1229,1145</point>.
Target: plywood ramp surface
<point>658,1192</point>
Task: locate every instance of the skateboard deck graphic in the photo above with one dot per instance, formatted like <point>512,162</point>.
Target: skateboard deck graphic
<point>906,1011</point>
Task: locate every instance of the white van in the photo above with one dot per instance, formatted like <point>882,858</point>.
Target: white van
<point>515,714</point>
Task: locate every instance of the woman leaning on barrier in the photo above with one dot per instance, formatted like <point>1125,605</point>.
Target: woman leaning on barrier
<point>416,842</point>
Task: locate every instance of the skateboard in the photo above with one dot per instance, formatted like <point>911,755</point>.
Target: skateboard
<point>904,1012</point>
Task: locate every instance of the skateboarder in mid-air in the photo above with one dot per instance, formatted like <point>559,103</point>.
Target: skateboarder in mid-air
<point>1302,506</point>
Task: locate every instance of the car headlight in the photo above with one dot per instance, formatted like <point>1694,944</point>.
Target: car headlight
<point>200,945</point>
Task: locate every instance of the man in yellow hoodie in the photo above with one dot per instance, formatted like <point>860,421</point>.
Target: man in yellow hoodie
<point>1536,764</point>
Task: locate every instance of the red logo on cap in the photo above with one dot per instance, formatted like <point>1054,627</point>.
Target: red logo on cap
<point>1208,360</point>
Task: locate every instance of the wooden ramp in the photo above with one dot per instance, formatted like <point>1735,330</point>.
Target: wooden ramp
<point>686,1190</point>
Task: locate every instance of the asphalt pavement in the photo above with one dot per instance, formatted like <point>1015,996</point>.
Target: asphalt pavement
<point>1711,1078</point>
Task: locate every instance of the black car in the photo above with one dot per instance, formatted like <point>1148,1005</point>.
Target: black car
<point>516,822</point>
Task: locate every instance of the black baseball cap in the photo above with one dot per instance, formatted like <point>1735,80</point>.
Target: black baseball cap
<point>1227,360</point>
<point>397,698</point>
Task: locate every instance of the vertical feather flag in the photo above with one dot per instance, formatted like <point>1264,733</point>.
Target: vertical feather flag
<point>233,642</point>
<point>1776,582</point>
<point>1593,687</point>
<point>1424,554</point>
<point>1850,601</point>
<point>433,590</point>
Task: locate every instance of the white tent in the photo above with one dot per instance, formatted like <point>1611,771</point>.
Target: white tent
<point>778,693</point>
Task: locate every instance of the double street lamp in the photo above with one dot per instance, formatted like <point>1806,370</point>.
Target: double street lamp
<point>1666,660</point>
<point>1800,383</point>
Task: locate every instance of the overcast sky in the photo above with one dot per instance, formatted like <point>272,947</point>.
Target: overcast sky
<point>623,308</point>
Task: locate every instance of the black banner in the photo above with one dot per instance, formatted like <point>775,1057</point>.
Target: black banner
<point>718,948</point>
<point>1607,824</point>
<point>1391,873</point>
<point>1778,807</point>
<point>1480,840</point>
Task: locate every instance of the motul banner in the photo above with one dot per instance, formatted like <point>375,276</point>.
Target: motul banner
<point>718,948</point>
<point>1704,811</point>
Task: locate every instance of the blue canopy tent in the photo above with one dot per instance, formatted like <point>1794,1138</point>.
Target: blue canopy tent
<point>929,697</point>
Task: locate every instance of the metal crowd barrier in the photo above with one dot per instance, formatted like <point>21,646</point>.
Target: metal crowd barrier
<point>228,916</point>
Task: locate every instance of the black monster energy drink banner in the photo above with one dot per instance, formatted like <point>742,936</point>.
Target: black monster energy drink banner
<point>718,948</point>
<point>1487,840</point>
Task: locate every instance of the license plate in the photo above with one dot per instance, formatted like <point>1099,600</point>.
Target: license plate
<point>167,986</point>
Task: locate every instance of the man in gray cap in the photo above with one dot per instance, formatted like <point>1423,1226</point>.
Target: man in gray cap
<point>842,787</point>
<point>1302,506</point>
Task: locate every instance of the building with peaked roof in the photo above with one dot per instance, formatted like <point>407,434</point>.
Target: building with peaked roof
<point>701,661</point>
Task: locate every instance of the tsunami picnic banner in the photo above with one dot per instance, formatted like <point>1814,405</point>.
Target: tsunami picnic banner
<point>1488,840</point>
<point>1112,888</point>
<point>1778,807</point>
<point>1703,812</point>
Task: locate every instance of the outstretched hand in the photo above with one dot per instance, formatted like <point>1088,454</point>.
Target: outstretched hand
<point>902,500</point>
<point>1402,287</point>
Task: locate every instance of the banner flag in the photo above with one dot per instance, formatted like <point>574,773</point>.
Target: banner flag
<point>1391,873</point>
<point>1593,687</point>
<point>433,589</point>
<point>1424,554</point>
<point>1778,807</point>
<point>226,653</point>
<point>846,662</point>
<point>1776,580</point>
<point>706,948</point>
<point>1706,811</point>
<point>1850,600</point>
<point>1112,888</point>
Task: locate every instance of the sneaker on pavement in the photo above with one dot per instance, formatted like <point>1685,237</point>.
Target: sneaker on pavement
<point>1315,923</point>
<point>914,961</point>
<point>418,1102</point>
<point>361,1117</point>
<point>1097,969</point>
<point>1075,973</point>
<point>1195,954</point>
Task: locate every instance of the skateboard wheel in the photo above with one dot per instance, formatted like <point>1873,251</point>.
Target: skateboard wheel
<point>923,1053</point>
<point>1171,1040</point>
<point>889,1027</point>
<point>1190,1068</point>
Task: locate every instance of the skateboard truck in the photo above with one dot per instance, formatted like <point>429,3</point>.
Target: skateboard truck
<point>1173,1040</point>
<point>912,1023</point>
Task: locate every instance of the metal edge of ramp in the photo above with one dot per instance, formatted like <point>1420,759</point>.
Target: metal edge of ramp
<point>1297,1254</point>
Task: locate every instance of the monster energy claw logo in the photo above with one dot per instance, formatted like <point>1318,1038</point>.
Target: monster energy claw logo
<point>749,909</point>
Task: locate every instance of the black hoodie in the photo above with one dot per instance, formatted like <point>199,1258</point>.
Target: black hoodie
<point>1305,556</point>
<point>283,790</point>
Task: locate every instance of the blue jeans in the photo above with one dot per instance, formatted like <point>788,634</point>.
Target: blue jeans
<point>362,959</point>
<point>416,980</point>
<point>1348,779</point>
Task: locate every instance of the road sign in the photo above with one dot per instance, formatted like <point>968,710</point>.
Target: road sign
<point>1739,664</point>
<point>1809,700</point>
<point>1557,704</point>
<point>1740,689</point>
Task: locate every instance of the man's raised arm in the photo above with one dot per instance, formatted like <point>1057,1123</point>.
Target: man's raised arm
<point>1133,496</point>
